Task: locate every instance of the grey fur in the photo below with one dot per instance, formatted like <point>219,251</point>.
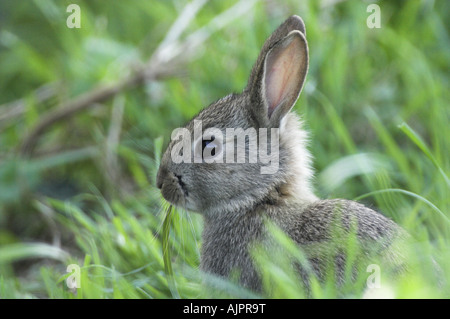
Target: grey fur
<point>235,199</point>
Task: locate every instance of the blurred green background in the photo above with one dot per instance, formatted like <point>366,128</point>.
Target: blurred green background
<point>81,188</point>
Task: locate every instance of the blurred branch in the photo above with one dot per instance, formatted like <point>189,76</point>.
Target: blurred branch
<point>73,106</point>
<point>16,108</point>
<point>169,54</point>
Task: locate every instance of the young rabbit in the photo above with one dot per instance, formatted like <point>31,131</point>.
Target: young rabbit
<point>236,197</point>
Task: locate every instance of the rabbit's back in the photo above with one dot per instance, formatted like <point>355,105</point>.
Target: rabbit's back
<point>325,228</point>
<point>325,219</point>
<point>321,229</point>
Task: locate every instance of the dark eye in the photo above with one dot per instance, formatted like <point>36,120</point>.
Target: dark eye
<point>209,144</point>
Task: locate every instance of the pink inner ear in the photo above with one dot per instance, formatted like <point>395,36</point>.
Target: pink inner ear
<point>283,72</point>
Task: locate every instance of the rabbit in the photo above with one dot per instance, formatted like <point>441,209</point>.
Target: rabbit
<point>236,200</point>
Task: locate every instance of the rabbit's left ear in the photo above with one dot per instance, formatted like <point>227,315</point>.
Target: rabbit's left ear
<point>279,78</point>
<point>285,71</point>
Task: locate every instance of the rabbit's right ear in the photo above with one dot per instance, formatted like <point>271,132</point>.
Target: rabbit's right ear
<point>279,73</point>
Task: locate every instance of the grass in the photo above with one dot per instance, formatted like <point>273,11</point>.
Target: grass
<point>375,102</point>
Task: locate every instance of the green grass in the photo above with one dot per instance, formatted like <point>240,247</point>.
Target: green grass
<point>375,102</point>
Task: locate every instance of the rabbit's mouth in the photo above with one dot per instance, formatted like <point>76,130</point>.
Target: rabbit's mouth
<point>172,187</point>
<point>182,185</point>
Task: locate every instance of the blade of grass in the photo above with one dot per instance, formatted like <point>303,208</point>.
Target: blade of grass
<point>338,125</point>
<point>14,252</point>
<point>166,254</point>
<point>388,141</point>
<point>396,190</point>
<point>413,136</point>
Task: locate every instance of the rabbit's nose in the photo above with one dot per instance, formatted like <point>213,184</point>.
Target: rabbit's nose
<point>162,172</point>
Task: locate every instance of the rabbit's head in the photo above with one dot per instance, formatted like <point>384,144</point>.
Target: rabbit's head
<point>246,149</point>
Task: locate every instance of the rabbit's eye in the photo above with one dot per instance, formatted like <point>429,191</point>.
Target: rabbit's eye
<point>209,149</point>
<point>209,146</point>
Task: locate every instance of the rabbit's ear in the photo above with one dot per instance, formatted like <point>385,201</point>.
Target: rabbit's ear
<point>279,74</point>
<point>285,71</point>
